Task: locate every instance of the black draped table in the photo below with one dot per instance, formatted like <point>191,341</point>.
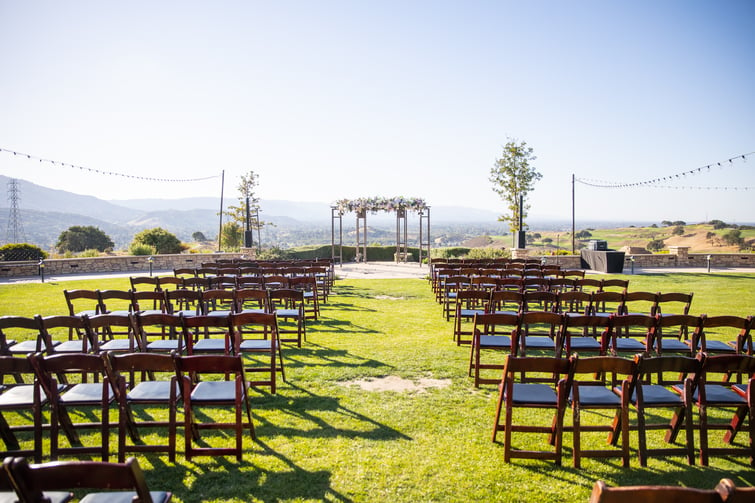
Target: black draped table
<point>603,261</point>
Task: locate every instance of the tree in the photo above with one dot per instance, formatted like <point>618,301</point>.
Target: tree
<point>733,238</point>
<point>583,234</point>
<point>198,236</point>
<point>232,236</point>
<point>513,178</point>
<point>718,224</point>
<point>78,238</point>
<point>655,245</point>
<point>161,240</point>
<point>678,230</point>
<point>247,192</point>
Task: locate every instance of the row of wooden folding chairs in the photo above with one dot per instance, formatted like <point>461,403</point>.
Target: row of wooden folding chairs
<point>520,333</point>
<point>609,383</point>
<point>92,302</point>
<point>307,283</point>
<point>185,332</point>
<point>53,482</point>
<point>91,384</point>
<point>467,303</point>
<point>726,491</point>
<point>452,286</point>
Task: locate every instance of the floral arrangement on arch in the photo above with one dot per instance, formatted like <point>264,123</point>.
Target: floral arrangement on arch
<point>375,204</point>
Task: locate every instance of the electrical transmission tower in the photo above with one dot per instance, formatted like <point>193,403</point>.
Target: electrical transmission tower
<point>15,232</point>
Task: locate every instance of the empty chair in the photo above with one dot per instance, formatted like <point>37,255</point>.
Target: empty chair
<point>27,332</point>
<point>645,397</point>
<point>81,302</point>
<point>144,283</point>
<point>22,395</point>
<point>614,285</point>
<point>223,282</point>
<point>255,336</point>
<point>559,285</point>
<point>103,329</point>
<point>574,302</point>
<point>197,283</point>
<point>203,394</point>
<point>589,285</point>
<point>250,281</point>
<point>602,493</point>
<point>184,272</point>
<point>218,302</point>
<point>607,303</point>
<point>50,326</point>
<point>252,300</point>
<point>170,283</point>
<point>505,302</point>
<point>93,394</point>
<point>641,326</point>
<point>185,302</point>
<point>148,302</point>
<point>497,332</point>
<point>539,300</point>
<point>673,303</point>
<point>671,331</point>
<point>515,395</point>
<point>308,286</point>
<point>717,389</point>
<point>33,480</point>
<point>115,301</point>
<point>157,386</point>
<point>206,334</point>
<point>468,304</point>
<point>640,303</point>
<point>584,334</point>
<point>288,306</point>
<point>722,334</point>
<point>160,332</point>
<point>451,286</point>
<point>572,273</point>
<point>539,331</point>
<point>589,393</point>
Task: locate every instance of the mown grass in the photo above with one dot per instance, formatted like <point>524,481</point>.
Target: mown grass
<point>322,438</point>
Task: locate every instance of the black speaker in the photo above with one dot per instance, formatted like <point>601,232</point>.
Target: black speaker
<point>248,243</point>
<point>521,240</point>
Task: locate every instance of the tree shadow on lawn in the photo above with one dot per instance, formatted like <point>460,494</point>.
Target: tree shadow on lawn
<point>314,355</point>
<point>222,478</point>
<point>328,325</point>
<point>306,407</point>
<point>676,471</point>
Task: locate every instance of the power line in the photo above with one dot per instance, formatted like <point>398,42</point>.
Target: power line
<point>655,182</point>
<point>104,172</point>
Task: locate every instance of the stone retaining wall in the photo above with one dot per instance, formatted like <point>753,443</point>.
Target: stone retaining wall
<point>679,258</point>
<point>129,263</point>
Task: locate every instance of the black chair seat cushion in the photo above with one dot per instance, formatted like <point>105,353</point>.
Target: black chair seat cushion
<point>152,391</point>
<point>211,391</point>
<point>495,341</point>
<point>123,497</point>
<point>536,393</point>
<point>597,396</point>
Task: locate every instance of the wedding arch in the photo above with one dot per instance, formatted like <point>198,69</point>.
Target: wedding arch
<point>362,206</point>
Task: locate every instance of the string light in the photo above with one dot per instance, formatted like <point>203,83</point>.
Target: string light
<point>103,172</point>
<point>654,183</point>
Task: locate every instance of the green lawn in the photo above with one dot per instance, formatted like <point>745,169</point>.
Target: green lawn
<point>323,439</point>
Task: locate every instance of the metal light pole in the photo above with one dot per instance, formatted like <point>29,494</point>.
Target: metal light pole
<point>149,261</point>
<point>42,269</point>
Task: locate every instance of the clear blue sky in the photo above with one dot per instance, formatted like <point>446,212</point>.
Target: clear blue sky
<point>342,99</point>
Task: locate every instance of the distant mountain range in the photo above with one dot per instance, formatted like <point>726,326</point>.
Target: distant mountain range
<point>46,212</point>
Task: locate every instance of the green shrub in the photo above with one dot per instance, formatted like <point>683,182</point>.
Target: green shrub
<point>488,253</point>
<point>159,239</point>
<point>91,252</point>
<point>21,251</point>
<point>141,249</point>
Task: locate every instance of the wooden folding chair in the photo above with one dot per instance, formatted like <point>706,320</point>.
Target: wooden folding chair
<point>263,352</point>
<point>156,385</point>
<point>198,332</point>
<point>584,334</point>
<point>641,326</point>
<point>468,304</point>
<point>32,480</point>
<point>198,393</point>
<point>645,396</point>
<point>21,395</point>
<point>104,327</point>
<point>497,332</point>
<point>671,334</point>
<point>592,381</point>
<point>288,306</point>
<point>94,393</point>
<point>734,330</point>
<point>602,493</point>
<point>539,395</point>
<point>160,332</point>
<point>11,493</point>
<point>732,390</point>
